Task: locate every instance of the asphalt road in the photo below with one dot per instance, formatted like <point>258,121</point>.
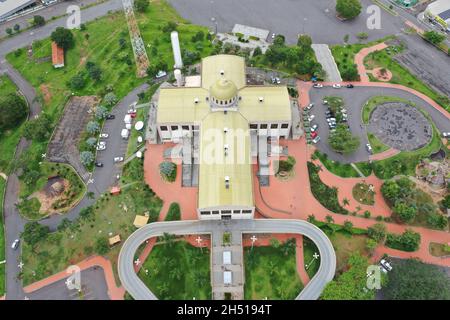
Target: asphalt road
<point>325,58</point>
<point>93,286</point>
<point>354,99</point>
<point>312,290</point>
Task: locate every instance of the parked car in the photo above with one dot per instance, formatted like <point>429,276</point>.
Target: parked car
<point>110,116</point>
<point>314,127</point>
<point>161,74</point>
<point>98,164</point>
<point>313,134</point>
<point>316,139</point>
<point>104,135</point>
<point>350,86</point>
<point>101,147</point>
<point>317,85</point>
<point>311,117</point>
<point>446,134</point>
<point>118,159</point>
<point>329,120</point>
<point>369,148</point>
<point>101,143</point>
<point>336,86</point>
<point>278,81</point>
<point>386,265</point>
<point>273,35</point>
<point>309,107</point>
<point>15,244</point>
<point>325,101</point>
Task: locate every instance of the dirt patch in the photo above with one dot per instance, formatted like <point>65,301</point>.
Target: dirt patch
<point>50,195</point>
<point>436,194</point>
<point>382,74</point>
<point>45,89</point>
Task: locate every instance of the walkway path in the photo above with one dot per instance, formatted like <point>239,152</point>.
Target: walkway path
<point>359,60</point>
<point>115,293</point>
<point>384,155</point>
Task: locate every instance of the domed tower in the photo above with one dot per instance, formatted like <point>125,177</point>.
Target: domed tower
<point>223,95</point>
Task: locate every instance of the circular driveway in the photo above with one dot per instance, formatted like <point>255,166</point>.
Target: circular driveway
<point>354,99</point>
<point>311,291</point>
<point>400,126</point>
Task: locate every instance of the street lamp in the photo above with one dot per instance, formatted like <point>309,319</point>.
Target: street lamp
<point>253,238</point>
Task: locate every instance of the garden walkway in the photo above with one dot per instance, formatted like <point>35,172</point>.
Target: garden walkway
<point>359,60</point>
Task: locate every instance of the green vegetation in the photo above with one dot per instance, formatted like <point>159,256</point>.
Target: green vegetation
<point>407,241</point>
<point>412,205</point>
<point>342,141</point>
<point>298,60</point>
<point>309,249</point>
<point>373,102</point>
<point>109,215</point>
<point>2,239</point>
<point>63,38</point>
<point>377,145</point>
<point>351,284</point>
<point>324,194</point>
<point>414,280</point>
<point>365,168</point>
<point>339,169</point>
<point>141,5</point>
<point>286,165</point>
<point>401,75</point>
<point>348,9</point>
<point>174,212</point>
<point>271,272</point>
<point>439,249</point>
<point>168,171</point>
<point>434,37</point>
<point>13,110</point>
<point>363,194</point>
<point>177,271</point>
<point>377,232</point>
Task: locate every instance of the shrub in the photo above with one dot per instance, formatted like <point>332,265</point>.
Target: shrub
<point>407,241</point>
<point>174,213</point>
<point>168,170</point>
<point>287,165</point>
<point>13,110</point>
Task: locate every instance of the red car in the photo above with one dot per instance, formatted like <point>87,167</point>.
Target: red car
<point>133,115</point>
<point>313,134</point>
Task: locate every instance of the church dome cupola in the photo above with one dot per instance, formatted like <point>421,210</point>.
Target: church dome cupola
<point>223,94</point>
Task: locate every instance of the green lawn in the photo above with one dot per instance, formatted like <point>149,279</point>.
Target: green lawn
<point>270,273</point>
<point>309,249</point>
<point>373,102</point>
<point>10,138</point>
<point>377,145</point>
<point>362,194</point>
<point>339,169</point>
<point>178,271</point>
<point>2,239</point>
<point>402,76</point>
<point>112,215</point>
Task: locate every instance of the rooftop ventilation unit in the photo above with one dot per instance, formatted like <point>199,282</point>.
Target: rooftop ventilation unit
<point>222,72</point>
<point>227,182</point>
<point>225,148</point>
<point>261,99</point>
<point>196,100</point>
<point>225,130</point>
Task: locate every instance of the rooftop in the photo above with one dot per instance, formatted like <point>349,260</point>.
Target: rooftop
<point>9,7</point>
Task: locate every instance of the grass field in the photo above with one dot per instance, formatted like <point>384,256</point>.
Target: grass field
<point>112,215</point>
<point>339,169</point>
<point>345,244</point>
<point>402,76</point>
<point>270,273</point>
<point>377,145</point>
<point>2,239</point>
<point>178,271</point>
<point>309,249</point>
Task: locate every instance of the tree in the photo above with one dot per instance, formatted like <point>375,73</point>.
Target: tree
<point>199,36</point>
<point>348,9</point>
<point>91,142</point>
<point>77,82</point>
<point>329,219</point>
<point>348,226</point>
<point>13,110</point>
<point>342,140</point>
<point>63,38</point>
<point>377,232</point>
<point>92,127</point>
<point>407,241</point>
<point>141,5</point>
<point>38,21</point>
<point>434,37</point>
<point>311,218</point>
<point>257,52</point>
<point>406,212</point>
<point>413,280</point>
<point>390,190</point>
<point>362,35</point>
<point>437,220</point>
<point>9,31</point>
<point>16,27</point>
<point>304,41</point>
<point>38,129</point>
<point>274,243</point>
<point>350,74</point>
<point>110,99</point>
<point>168,170</point>
<point>101,112</point>
<point>102,246</point>
<point>94,71</point>
<point>371,245</point>
<point>169,27</point>
<point>350,284</point>
<point>446,202</point>
<point>86,158</point>
<point>34,232</point>
<point>87,213</point>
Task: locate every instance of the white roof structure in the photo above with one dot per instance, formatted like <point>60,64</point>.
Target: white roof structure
<point>440,8</point>
<point>9,7</point>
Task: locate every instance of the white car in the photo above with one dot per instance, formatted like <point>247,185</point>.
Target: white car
<point>317,85</point>
<point>316,139</point>
<point>386,265</point>
<point>132,110</point>
<point>309,107</point>
<point>314,128</point>
<point>369,148</point>
<point>101,147</point>
<point>104,135</point>
<point>446,134</point>
<point>161,74</point>
<point>325,101</point>
<point>101,143</point>
<point>118,159</point>
<point>273,35</point>
<point>331,120</point>
<point>311,118</point>
<point>336,86</point>
<point>278,81</point>
<point>15,244</point>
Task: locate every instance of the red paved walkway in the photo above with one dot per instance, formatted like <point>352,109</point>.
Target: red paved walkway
<point>359,60</point>
<point>114,292</point>
<point>384,155</point>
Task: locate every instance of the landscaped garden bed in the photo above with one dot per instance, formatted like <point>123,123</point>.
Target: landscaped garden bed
<point>176,270</point>
<point>271,272</point>
<point>439,249</point>
<point>363,193</point>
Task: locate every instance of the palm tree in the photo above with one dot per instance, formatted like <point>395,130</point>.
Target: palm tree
<point>346,202</point>
<point>329,219</point>
<point>311,218</point>
<point>348,225</point>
